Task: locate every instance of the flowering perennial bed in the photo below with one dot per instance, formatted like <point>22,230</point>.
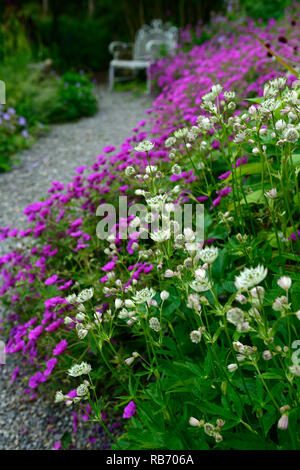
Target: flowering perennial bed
<point>197,343</point>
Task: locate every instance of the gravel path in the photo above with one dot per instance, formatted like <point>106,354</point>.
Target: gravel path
<point>38,424</point>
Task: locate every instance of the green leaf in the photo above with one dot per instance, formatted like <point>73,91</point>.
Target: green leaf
<point>248,169</point>
<point>66,440</point>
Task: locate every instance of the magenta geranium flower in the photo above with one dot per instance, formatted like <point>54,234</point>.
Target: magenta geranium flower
<point>51,280</point>
<point>60,347</point>
<point>129,410</point>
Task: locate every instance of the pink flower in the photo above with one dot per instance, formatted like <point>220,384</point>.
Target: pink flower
<point>129,410</point>
<point>60,347</point>
<point>51,280</point>
<point>57,445</point>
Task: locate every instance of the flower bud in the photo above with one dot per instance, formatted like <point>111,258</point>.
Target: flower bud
<point>164,295</point>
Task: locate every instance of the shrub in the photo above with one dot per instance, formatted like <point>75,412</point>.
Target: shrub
<point>74,99</point>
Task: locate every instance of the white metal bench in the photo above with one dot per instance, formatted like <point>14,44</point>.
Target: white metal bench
<point>143,51</point>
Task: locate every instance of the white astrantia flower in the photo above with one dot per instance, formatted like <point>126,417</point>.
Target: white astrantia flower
<point>82,390</point>
<point>150,169</point>
<point>216,89</point>
<point>295,369</point>
<point>68,320</point>
<point>154,324</point>
<point>194,302</point>
<point>280,125</point>
<point>229,95</point>
<point>81,331</point>
<point>80,316</point>
<point>143,295</point>
<point>189,234</point>
<point>200,285</point>
<point>123,313</point>
<point>176,170</point>
<point>59,396</point>
<point>271,194</point>
<point>291,134</point>
<point>278,83</point>
<point>232,367</point>
<point>129,171</point>
<point>250,277</point>
<point>160,235</point>
<point>85,295</point>
<point>181,133</point>
<point>71,299</point>
<point>79,369</point>
<point>235,316</point>
<point>144,146</point>
<point>157,202</point>
<point>195,336</point>
<point>170,141</point>
<point>208,254</point>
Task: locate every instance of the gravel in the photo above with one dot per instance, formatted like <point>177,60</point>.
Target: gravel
<point>27,424</point>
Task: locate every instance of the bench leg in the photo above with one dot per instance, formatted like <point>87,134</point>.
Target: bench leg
<point>148,81</point>
<point>111,77</point>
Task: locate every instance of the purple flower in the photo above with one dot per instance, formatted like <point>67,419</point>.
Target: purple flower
<point>50,366</point>
<point>129,410</point>
<point>51,280</point>
<point>60,347</point>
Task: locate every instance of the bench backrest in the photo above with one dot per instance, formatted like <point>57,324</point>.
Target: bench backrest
<point>157,31</point>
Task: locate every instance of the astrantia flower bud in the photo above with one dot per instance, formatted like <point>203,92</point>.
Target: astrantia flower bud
<point>280,303</point>
<point>267,355</point>
<point>232,367</point>
<point>241,299</point>
<point>169,273</point>
<point>59,396</point>
<point>129,303</point>
<point>129,361</point>
<point>284,282</point>
<point>194,422</point>
<point>255,151</point>
<point>283,422</point>
<point>118,303</point>
<point>164,295</point>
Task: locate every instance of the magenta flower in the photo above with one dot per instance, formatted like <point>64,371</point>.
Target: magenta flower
<point>51,280</point>
<point>60,347</point>
<point>50,366</point>
<point>129,410</point>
